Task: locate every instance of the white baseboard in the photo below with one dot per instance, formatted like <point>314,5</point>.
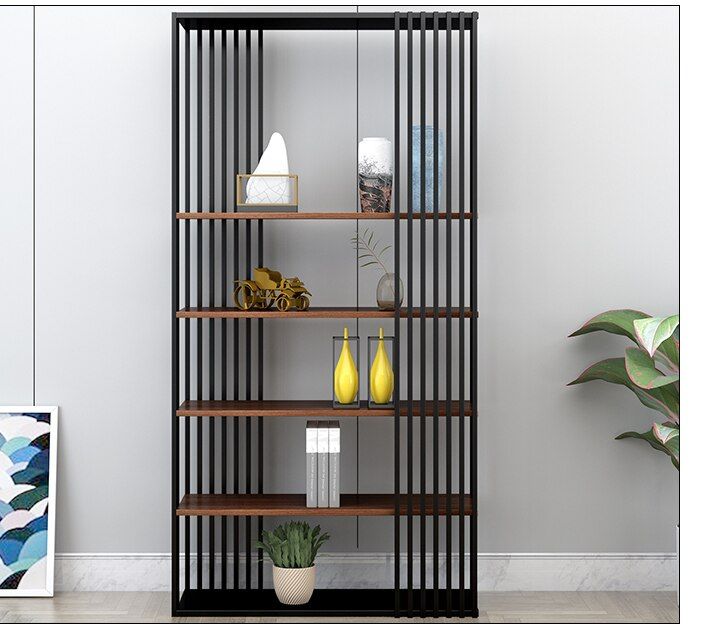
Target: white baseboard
<point>496,571</point>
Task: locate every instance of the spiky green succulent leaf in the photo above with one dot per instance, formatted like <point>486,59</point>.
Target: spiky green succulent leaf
<point>292,544</point>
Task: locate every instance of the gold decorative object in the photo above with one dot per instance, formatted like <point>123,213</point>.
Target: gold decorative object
<point>381,373</point>
<point>269,181</point>
<point>345,377</point>
<point>270,288</point>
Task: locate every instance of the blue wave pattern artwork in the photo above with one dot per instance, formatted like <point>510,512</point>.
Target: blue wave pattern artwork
<point>24,500</point>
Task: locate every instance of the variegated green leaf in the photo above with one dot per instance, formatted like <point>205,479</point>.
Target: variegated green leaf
<point>642,370</point>
<point>669,436</point>
<point>672,451</point>
<point>662,399</point>
<point>669,352</point>
<point>648,436</point>
<point>617,322</point>
<point>653,331</point>
<point>664,432</point>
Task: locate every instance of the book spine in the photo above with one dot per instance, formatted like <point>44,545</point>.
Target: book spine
<point>334,463</point>
<point>311,464</point>
<point>322,464</point>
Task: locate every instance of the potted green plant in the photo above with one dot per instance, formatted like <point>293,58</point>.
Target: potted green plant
<point>292,547</point>
<point>650,370</point>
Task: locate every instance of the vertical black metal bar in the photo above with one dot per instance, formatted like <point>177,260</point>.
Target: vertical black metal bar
<point>260,322</point>
<point>422,305</point>
<point>461,306</point>
<point>397,399</point>
<point>409,317</point>
<point>211,299</point>
<point>187,298</point>
<point>248,322</point>
<point>199,293</point>
<point>223,301</point>
<point>435,313</point>
<point>357,269</point>
<point>449,307</point>
<point>474,317</point>
<point>175,364</point>
<point>236,322</point>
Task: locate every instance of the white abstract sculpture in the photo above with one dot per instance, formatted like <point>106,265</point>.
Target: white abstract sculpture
<point>263,190</point>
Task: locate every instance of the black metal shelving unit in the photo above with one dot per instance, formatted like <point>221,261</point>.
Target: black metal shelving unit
<point>215,512</point>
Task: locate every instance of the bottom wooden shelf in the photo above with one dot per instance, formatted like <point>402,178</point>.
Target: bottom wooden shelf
<point>324,602</point>
<point>295,504</point>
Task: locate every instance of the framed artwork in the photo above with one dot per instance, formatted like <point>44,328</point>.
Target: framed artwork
<point>27,500</point>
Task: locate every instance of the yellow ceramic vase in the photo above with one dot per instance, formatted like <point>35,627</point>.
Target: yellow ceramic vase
<point>345,379</point>
<point>381,374</point>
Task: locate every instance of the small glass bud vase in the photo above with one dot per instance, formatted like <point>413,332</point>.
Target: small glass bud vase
<point>346,379</point>
<point>380,372</point>
<point>385,292</point>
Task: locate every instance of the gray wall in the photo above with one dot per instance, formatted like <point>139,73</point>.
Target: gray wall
<point>16,341</point>
<point>578,166</point>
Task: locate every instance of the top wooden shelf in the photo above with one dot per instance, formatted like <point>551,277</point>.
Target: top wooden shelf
<point>310,215</point>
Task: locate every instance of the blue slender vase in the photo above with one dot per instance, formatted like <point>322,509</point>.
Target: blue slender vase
<point>428,166</point>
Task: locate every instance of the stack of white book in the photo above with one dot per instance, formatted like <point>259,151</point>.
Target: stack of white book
<point>323,463</point>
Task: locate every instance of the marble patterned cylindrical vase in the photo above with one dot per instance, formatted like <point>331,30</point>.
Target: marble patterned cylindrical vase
<point>374,168</point>
<point>427,162</point>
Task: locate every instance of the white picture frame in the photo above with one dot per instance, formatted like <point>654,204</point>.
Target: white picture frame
<point>35,588</point>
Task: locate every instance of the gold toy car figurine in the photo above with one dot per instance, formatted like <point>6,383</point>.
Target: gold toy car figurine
<point>269,287</point>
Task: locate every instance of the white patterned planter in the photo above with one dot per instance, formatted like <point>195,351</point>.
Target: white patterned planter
<point>294,586</point>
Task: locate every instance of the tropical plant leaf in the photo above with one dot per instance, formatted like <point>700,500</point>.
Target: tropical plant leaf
<point>670,437</point>
<point>660,337</point>
<point>665,432</point>
<point>673,452</point>
<point>617,322</point>
<point>642,370</point>
<point>669,354</point>
<point>652,332</point>
<point>662,399</point>
<point>664,437</point>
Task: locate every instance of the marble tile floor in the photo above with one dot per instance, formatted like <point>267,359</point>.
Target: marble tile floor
<point>495,607</point>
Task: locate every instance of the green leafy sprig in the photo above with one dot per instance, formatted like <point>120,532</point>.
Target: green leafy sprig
<point>366,248</point>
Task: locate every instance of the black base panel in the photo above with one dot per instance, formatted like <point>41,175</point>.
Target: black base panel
<point>338,602</point>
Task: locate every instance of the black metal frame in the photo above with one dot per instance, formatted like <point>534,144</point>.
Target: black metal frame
<point>229,594</point>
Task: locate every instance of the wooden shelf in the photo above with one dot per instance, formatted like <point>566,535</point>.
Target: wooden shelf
<point>309,215</point>
<point>306,408</point>
<point>312,313</point>
<point>379,504</point>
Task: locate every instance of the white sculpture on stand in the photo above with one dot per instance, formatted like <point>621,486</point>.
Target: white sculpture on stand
<point>263,190</point>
